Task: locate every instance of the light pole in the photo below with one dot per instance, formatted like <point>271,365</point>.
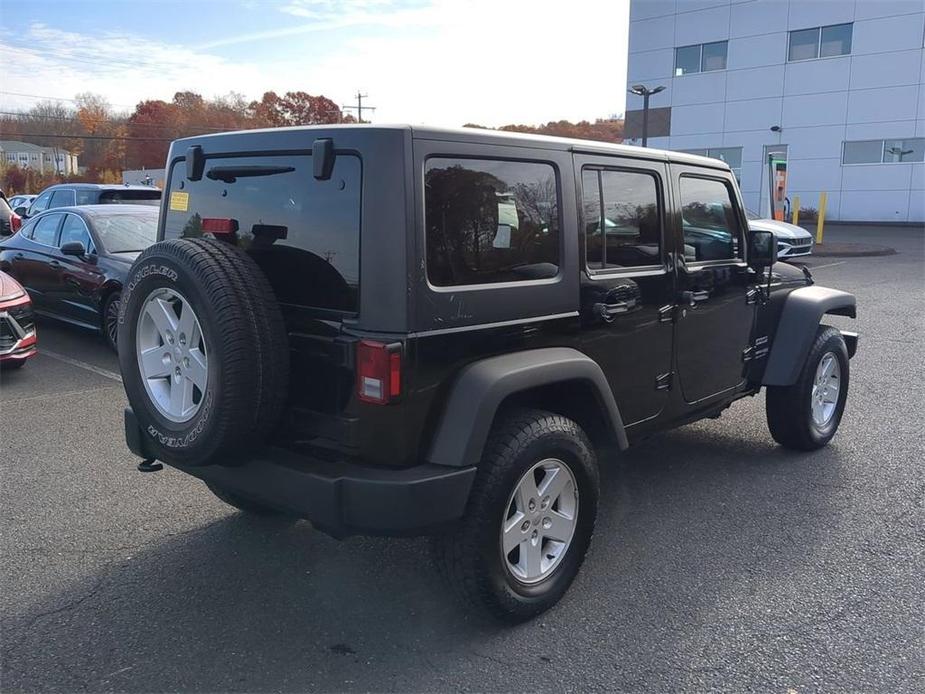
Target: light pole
<point>643,91</point>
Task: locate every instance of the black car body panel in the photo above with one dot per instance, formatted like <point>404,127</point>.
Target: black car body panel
<point>677,328</point>
<point>69,288</point>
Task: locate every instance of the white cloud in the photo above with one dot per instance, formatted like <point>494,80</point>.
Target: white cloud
<point>443,63</point>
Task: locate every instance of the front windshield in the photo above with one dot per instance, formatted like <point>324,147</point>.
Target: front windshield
<point>124,233</point>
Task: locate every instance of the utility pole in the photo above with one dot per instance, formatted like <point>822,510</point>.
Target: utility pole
<point>359,107</point>
<point>645,93</point>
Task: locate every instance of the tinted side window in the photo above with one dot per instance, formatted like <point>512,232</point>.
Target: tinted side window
<point>622,219</point>
<point>40,203</point>
<point>74,229</point>
<point>46,230</point>
<point>136,197</point>
<point>303,232</point>
<point>711,228</point>
<point>62,198</point>
<point>490,221</point>
<point>86,197</point>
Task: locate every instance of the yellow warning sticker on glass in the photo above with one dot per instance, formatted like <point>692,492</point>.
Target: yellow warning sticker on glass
<point>179,201</point>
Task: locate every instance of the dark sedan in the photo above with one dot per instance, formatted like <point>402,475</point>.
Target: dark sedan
<point>73,260</point>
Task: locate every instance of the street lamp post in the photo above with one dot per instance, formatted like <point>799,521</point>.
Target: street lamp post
<point>645,93</point>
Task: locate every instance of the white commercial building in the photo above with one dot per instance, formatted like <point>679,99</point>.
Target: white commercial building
<point>834,87</point>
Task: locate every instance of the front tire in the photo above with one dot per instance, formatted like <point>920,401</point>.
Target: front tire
<point>805,416</point>
<point>529,520</point>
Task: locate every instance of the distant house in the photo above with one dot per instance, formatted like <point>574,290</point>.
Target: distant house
<point>43,159</point>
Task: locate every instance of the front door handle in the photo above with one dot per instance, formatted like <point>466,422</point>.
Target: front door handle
<point>692,298</point>
<point>55,264</point>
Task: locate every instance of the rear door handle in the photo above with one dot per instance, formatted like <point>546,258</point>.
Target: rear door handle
<point>692,298</point>
<point>55,264</point>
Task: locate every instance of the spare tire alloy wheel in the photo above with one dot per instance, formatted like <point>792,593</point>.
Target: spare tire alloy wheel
<point>539,522</point>
<point>203,352</point>
<point>172,355</point>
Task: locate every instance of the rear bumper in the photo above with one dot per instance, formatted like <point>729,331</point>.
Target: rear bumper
<point>339,498</point>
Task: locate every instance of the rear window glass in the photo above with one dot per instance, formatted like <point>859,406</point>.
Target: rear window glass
<point>135,197</point>
<point>490,221</point>
<point>124,233</point>
<point>303,232</point>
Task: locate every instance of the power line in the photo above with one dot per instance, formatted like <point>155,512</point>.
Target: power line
<point>359,107</point>
<point>74,119</point>
<point>98,137</point>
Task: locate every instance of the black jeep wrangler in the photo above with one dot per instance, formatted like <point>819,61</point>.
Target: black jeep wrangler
<point>403,330</point>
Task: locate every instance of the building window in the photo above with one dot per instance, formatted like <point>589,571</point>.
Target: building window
<point>899,151</point>
<point>730,155</point>
<point>820,42</point>
<point>703,57</point>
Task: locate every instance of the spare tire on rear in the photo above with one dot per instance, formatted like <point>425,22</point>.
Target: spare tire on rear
<point>203,351</point>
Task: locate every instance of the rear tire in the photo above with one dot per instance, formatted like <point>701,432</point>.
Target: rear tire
<point>805,416</point>
<point>239,364</point>
<point>509,586</point>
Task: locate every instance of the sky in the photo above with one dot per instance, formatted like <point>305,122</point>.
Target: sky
<point>439,62</point>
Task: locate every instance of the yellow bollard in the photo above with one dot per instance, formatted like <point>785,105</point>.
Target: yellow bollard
<point>820,223</point>
<point>796,210</point>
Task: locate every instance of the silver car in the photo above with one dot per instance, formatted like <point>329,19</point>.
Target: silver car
<point>792,241</point>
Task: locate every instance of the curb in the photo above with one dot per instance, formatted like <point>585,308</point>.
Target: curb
<point>851,250</point>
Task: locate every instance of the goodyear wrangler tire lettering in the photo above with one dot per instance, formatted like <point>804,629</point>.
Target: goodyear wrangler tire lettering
<point>240,343</point>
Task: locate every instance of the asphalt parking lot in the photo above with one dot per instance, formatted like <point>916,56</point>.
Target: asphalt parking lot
<point>721,561</point>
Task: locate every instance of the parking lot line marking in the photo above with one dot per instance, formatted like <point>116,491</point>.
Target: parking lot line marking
<point>81,364</point>
<point>819,267</point>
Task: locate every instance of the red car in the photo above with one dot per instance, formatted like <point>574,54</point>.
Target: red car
<point>17,325</point>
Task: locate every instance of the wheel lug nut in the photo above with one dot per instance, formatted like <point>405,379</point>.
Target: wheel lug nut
<point>534,535</point>
<point>185,362</point>
<point>532,505</point>
<point>526,526</point>
<point>547,523</point>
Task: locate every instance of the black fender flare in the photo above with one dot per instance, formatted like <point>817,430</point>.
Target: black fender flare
<point>799,318</point>
<point>482,386</point>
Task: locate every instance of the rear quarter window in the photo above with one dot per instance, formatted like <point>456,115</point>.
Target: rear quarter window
<point>490,221</point>
<point>135,197</point>
<point>304,233</point>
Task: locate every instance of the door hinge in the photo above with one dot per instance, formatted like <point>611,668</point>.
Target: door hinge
<point>663,382</point>
<point>666,313</point>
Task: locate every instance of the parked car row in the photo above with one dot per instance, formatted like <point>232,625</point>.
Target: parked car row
<point>70,247</point>
<point>17,324</point>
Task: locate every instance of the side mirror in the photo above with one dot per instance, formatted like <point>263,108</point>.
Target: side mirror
<point>762,249</point>
<point>75,248</point>
<point>22,211</point>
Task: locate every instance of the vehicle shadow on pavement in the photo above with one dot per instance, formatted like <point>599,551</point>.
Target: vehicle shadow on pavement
<point>688,522</point>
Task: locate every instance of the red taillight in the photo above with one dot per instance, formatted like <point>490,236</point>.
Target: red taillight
<point>15,222</point>
<point>214,225</point>
<point>378,372</point>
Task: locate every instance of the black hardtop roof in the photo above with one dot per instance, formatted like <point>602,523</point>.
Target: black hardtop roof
<point>466,135</point>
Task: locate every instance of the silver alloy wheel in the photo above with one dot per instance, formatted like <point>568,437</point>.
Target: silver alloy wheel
<point>112,320</point>
<point>539,521</point>
<point>172,356</point>
<point>826,387</point>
